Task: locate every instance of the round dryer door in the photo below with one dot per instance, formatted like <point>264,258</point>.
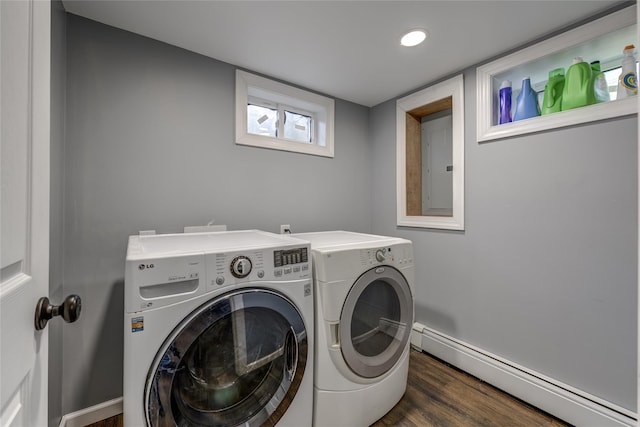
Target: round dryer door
<point>237,360</point>
<point>375,324</point>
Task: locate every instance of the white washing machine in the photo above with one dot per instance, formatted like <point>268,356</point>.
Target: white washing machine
<point>364,313</point>
<point>218,330</point>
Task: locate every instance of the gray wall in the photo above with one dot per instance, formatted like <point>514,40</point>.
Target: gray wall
<point>56,248</point>
<point>150,145</point>
<point>544,274</point>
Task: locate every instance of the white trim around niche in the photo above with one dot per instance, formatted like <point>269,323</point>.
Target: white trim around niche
<point>453,88</point>
<point>486,130</point>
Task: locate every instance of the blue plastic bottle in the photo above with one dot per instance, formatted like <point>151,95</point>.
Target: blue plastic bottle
<point>505,102</point>
<point>527,102</point>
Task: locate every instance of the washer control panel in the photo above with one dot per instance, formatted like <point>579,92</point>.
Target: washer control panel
<point>290,263</point>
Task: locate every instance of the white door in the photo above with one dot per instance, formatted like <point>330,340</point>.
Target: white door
<point>24,214</point>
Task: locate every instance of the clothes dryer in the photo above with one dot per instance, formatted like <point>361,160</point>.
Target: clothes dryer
<point>218,330</point>
<point>364,314</point>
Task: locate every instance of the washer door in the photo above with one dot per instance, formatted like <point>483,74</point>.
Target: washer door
<point>237,360</point>
<point>375,323</point>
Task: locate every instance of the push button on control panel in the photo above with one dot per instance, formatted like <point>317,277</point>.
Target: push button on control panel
<point>220,280</point>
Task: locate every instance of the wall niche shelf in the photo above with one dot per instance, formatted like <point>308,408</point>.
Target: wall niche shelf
<point>602,39</point>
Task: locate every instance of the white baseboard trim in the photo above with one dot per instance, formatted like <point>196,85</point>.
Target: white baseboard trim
<point>561,400</point>
<point>92,414</point>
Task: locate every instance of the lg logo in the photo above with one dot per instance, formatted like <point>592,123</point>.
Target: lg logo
<point>143,266</point>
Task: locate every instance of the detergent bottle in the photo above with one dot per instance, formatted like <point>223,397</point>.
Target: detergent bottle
<point>553,92</point>
<point>578,86</point>
<point>600,87</point>
<point>628,81</point>
<point>505,102</point>
<point>526,102</point>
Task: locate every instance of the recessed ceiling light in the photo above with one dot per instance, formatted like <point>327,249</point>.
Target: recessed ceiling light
<point>413,38</point>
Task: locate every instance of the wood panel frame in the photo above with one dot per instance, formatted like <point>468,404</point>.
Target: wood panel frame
<point>414,151</point>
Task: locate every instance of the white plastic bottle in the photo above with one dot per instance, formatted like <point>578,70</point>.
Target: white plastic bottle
<point>628,81</point>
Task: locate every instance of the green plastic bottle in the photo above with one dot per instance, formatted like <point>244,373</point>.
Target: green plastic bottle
<point>552,101</point>
<point>578,86</point>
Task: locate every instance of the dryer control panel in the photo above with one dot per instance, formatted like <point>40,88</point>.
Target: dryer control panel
<point>396,255</point>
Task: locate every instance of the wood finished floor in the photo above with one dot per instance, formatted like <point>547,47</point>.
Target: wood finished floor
<point>439,395</point>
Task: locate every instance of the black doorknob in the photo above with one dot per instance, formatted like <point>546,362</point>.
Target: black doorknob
<point>69,310</point>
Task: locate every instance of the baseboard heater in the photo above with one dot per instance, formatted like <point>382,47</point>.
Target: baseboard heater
<point>561,400</point>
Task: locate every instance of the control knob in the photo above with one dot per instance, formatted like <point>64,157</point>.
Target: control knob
<point>240,266</point>
<point>380,256</point>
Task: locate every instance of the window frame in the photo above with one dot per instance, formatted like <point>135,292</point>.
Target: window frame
<point>284,97</point>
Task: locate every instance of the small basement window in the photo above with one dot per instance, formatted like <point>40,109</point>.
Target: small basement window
<point>274,115</point>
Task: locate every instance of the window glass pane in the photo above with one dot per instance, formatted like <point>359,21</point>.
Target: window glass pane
<point>376,319</point>
<point>297,126</point>
<point>262,120</point>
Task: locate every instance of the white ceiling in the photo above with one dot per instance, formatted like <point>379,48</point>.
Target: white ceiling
<point>345,49</point>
